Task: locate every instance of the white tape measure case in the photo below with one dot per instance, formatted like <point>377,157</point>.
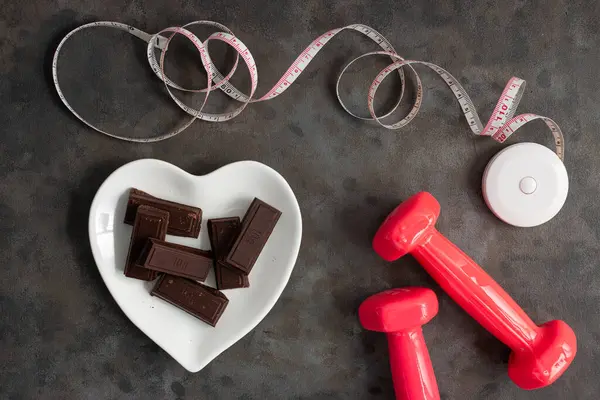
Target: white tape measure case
<point>525,184</point>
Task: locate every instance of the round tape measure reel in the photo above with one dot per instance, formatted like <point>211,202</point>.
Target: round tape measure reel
<point>525,184</point>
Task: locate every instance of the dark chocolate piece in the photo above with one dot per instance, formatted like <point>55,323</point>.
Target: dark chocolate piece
<point>184,220</point>
<point>142,259</point>
<point>150,223</point>
<point>176,259</point>
<point>201,301</point>
<point>222,232</point>
<point>257,225</point>
<point>230,278</point>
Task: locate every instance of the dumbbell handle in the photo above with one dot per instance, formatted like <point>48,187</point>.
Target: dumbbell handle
<point>475,291</point>
<point>412,371</point>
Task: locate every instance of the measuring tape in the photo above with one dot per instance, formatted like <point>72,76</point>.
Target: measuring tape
<point>501,125</point>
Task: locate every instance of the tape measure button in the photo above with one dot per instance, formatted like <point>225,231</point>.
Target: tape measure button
<point>525,184</point>
<point>528,185</point>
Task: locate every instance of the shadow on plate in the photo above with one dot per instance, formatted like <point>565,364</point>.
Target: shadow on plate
<point>121,232</point>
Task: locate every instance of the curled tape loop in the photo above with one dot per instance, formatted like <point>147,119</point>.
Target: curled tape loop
<point>501,125</point>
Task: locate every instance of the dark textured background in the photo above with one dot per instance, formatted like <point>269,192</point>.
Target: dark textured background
<point>63,337</point>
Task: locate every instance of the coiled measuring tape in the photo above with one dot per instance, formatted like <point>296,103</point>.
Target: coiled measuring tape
<point>501,125</point>
<point>524,185</point>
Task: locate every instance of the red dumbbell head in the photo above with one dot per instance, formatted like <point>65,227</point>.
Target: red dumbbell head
<point>407,226</point>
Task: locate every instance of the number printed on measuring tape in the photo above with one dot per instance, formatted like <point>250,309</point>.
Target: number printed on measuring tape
<point>500,126</point>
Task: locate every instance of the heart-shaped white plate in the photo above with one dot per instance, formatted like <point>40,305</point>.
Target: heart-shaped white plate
<point>225,192</point>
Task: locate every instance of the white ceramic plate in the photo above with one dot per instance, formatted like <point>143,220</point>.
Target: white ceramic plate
<point>225,192</point>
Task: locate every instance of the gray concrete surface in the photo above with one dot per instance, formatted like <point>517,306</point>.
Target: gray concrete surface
<point>63,337</point>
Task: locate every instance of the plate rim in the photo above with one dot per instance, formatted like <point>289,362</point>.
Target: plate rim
<point>217,350</point>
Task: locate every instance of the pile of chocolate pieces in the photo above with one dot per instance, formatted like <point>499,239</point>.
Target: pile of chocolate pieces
<point>235,247</point>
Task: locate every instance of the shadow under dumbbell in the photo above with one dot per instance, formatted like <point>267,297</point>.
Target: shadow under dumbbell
<point>374,352</point>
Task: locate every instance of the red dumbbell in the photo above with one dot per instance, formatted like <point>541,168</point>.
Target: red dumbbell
<point>400,313</point>
<point>540,354</point>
